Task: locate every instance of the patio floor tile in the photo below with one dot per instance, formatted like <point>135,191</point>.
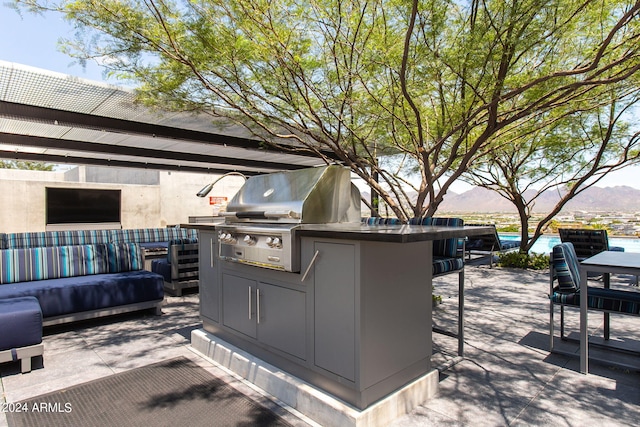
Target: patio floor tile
<point>508,376</point>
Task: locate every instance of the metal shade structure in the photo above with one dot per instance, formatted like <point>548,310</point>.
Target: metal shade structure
<point>57,118</point>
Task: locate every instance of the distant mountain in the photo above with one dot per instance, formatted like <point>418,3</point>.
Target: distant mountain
<point>594,199</point>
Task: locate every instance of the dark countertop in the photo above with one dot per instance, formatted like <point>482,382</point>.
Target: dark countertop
<point>378,233</point>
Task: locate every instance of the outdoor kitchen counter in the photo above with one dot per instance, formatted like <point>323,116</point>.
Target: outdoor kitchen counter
<point>387,233</point>
<point>376,233</point>
<point>354,319</point>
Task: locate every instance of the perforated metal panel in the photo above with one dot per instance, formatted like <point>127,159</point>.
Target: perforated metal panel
<point>61,115</point>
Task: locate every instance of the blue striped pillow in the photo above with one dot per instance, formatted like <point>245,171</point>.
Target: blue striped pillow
<point>124,257</point>
<point>23,265</point>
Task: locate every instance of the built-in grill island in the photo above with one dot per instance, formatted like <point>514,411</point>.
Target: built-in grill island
<point>293,278</point>
<point>263,217</point>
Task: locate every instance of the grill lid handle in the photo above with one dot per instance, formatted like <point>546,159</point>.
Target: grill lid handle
<point>251,215</point>
<point>263,214</point>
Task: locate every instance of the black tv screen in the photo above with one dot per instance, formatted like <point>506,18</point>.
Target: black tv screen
<point>76,205</point>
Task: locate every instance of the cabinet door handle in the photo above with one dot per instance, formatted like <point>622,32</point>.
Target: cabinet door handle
<point>313,260</point>
<point>249,302</point>
<point>212,254</point>
<point>258,305</point>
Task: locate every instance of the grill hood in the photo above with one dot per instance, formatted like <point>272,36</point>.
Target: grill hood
<point>319,195</point>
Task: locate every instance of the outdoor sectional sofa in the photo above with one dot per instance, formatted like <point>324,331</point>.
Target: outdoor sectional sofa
<point>82,281</point>
<point>155,243</point>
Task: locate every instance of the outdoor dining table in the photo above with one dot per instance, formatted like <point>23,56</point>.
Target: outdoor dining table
<point>606,262</point>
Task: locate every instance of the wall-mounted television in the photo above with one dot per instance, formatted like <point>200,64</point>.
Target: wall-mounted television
<point>82,205</point>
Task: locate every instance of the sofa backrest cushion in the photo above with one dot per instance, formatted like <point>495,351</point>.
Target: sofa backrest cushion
<point>3,241</point>
<point>124,257</point>
<point>57,238</point>
<point>149,235</point>
<point>23,265</point>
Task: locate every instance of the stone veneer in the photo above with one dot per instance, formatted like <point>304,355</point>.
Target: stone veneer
<point>310,401</point>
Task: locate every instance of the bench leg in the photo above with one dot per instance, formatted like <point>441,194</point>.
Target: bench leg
<point>26,355</point>
<point>25,365</point>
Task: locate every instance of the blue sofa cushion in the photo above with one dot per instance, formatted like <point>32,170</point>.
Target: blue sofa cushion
<point>162,267</point>
<point>124,257</point>
<point>77,294</point>
<point>24,265</point>
<point>21,322</point>
<point>509,244</point>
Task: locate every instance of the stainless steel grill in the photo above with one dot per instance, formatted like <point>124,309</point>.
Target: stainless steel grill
<point>262,218</point>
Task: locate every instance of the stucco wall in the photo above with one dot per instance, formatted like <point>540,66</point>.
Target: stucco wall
<point>172,201</point>
<point>179,200</point>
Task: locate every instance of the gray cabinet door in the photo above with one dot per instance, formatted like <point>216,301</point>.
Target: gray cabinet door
<point>335,308</point>
<point>209,288</point>
<point>238,304</point>
<point>282,319</point>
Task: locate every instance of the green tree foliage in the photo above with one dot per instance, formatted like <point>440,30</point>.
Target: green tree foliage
<point>34,166</point>
<point>415,92</point>
<point>582,145</point>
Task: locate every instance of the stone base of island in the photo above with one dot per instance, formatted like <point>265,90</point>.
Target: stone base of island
<point>312,402</point>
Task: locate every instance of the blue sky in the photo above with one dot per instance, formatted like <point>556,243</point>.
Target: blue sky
<point>33,40</point>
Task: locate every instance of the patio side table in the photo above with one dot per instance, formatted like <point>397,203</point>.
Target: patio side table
<point>607,262</point>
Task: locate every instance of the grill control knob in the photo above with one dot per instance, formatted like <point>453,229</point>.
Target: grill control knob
<point>249,240</point>
<point>269,241</point>
<point>227,238</point>
<point>276,242</point>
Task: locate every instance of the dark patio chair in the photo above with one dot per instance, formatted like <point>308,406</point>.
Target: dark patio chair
<point>586,242</point>
<point>448,258</point>
<point>564,268</point>
<point>490,244</point>
<point>378,220</point>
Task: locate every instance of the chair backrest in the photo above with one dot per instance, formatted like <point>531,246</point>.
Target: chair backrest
<point>565,268</point>
<point>485,242</point>
<point>586,242</point>
<point>452,247</point>
<point>378,220</point>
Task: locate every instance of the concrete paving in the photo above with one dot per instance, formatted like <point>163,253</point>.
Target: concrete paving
<point>507,378</point>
